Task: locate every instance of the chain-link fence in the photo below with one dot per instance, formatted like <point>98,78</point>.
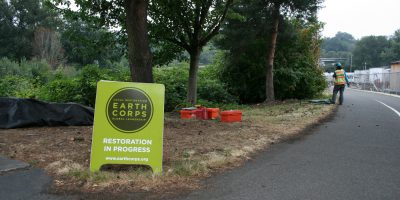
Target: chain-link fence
<point>380,82</point>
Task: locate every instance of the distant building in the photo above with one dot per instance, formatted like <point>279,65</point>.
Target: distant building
<point>395,66</point>
<point>395,76</point>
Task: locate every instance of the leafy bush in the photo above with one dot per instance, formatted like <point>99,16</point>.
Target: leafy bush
<point>87,82</point>
<point>67,71</point>
<point>301,84</point>
<point>244,76</point>
<point>16,86</point>
<point>81,89</point>
<point>61,90</point>
<point>120,70</point>
<point>22,79</point>
<point>66,84</point>
<point>175,81</point>
<point>210,89</point>
<point>215,91</point>
<point>24,68</point>
<point>8,67</point>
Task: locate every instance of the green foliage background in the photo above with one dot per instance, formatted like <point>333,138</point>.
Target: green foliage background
<point>232,70</point>
<point>246,40</point>
<point>366,52</point>
<point>33,79</point>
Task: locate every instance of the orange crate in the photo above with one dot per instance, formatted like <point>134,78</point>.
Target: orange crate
<point>231,116</point>
<point>201,113</point>
<point>187,114</point>
<point>213,113</point>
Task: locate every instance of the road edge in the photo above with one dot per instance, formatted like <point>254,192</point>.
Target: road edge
<point>382,93</point>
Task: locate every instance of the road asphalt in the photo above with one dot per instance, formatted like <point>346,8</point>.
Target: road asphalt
<point>19,181</point>
<point>353,156</point>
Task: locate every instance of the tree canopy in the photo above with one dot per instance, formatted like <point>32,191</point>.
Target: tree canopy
<point>128,15</point>
<point>281,8</point>
<point>245,40</point>
<point>342,42</point>
<point>19,20</point>
<point>369,51</point>
<point>189,26</point>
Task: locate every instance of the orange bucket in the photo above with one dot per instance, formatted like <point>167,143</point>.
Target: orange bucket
<point>213,113</point>
<point>231,116</point>
<point>201,113</point>
<point>187,114</point>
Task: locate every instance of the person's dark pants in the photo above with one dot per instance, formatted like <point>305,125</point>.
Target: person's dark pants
<point>336,89</point>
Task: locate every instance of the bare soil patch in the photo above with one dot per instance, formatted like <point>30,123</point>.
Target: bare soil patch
<point>193,149</point>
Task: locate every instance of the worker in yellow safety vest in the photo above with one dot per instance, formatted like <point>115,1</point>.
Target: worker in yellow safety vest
<point>340,81</point>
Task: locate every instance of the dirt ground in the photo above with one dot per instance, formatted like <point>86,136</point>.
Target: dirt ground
<point>193,149</point>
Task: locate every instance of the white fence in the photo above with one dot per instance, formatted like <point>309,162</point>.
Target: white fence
<point>380,82</point>
<point>388,82</point>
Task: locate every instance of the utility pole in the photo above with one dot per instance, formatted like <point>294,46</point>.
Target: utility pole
<point>351,61</point>
<point>366,75</point>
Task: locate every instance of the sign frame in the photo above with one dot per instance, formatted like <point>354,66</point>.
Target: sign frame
<point>128,125</point>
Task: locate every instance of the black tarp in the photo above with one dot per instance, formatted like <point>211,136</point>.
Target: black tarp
<point>16,113</point>
<point>321,101</point>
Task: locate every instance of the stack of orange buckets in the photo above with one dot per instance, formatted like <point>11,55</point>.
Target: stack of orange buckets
<point>203,113</point>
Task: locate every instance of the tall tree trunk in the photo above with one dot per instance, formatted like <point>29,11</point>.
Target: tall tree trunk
<point>140,59</point>
<point>194,67</point>
<point>271,55</point>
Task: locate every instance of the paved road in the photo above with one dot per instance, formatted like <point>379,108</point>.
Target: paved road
<point>19,181</point>
<point>355,156</point>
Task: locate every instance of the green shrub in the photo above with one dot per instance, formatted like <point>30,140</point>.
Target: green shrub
<point>61,90</point>
<point>87,82</point>
<point>175,81</point>
<point>120,70</point>
<point>16,86</point>
<point>210,90</point>
<point>244,77</point>
<point>81,88</point>
<point>8,67</point>
<point>65,84</point>
<point>65,71</point>
<point>214,90</point>
<point>23,68</point>
<point>301,84</point>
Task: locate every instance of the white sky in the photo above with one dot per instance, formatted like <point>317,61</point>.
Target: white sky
<point>360,17</point>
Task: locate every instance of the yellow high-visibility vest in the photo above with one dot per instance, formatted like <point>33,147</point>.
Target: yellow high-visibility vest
<point>340,79</point>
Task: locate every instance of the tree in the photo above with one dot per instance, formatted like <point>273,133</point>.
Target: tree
<point>245,39</point>
<point>395,44</point>
<point>47,45</point>
<point>139,50</point>
<point>128,15</point>
<point>369,51</point>
<point>189,25</point>
<point>392,53</point>
<point>18,22</point>
<point>7,29</point>
<point>85,43</point>
<point>342,41</point>
<point>340,46</point>
<point>278,9</point>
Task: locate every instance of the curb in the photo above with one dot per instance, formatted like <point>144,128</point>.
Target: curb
<point>382,93</point>
<point>7,165</point>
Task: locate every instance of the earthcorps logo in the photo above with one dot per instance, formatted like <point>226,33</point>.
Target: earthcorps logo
<point>129,110</point>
